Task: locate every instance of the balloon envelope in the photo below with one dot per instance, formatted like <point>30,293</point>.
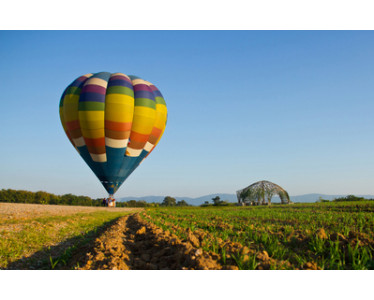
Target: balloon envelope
<point>114,121</point>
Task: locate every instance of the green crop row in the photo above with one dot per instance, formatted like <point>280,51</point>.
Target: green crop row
<point>326,235</point>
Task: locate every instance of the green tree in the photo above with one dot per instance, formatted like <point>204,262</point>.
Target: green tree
<point>182,203</point>
<point>4,196</point>
<point>216,200</point>
<point>131,203</point>
<point>42,197</point>
<point>142,203</point>
<point>169,201</point>
<point>67,199</point>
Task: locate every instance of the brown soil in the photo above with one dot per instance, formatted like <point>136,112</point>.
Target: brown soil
<point>202,238</point>
<point>135,244</point>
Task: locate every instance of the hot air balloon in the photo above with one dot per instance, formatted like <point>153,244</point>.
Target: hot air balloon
<point>114,121</point>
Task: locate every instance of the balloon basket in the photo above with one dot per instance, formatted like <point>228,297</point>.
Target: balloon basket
<point>111,201</point>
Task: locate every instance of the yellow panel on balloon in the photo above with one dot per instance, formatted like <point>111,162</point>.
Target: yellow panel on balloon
<point>119,98</point>
<point>144,119</point>
<point>91,119</point>
<point>119,112</point>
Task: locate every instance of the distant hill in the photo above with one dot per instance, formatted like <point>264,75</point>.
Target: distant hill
<point>307,198</point>
<point>189,200</point>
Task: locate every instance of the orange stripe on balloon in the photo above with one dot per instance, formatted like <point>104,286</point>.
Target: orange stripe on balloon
<point>118,126</point>
<point>154,136</point>
<point>136,145</point>
<point>152,139</point>
<point>139,137</point>
<point>156,131</point>
<point>119,135</point>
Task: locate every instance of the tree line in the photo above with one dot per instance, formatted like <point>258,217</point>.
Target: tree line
<point>345,199</point>
<point>41,197</point>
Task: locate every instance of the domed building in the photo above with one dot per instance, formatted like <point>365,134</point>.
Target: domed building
<point>261,192</point>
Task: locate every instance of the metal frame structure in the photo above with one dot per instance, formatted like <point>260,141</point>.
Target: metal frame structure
<point>261,192</point>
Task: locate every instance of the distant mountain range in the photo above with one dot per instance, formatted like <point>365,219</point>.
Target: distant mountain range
<point>191,201</point>
<point>307,198</point>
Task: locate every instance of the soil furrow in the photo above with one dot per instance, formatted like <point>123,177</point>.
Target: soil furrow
<point>135,244</point>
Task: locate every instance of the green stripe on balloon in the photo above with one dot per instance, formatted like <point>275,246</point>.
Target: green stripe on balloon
<point>120,90</point>
<point>73,90</point>
<point>91,105</point>
<point>160,100</point>
<point>145,102</point>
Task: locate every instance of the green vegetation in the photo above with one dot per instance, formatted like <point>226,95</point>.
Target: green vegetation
<point>170,201</point>
<point>217,202</point>
<point>336,235</point>
<point>49,240</point>
<point>136,203</point>
<point>350,198</point>
<point>20,196</point>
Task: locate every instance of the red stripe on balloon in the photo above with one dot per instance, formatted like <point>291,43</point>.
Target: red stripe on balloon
<point>95,142</point>
<point>72,125</point>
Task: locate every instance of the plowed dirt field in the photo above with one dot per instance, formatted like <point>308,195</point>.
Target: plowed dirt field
<point>310,237</point>
<point>134,244</point>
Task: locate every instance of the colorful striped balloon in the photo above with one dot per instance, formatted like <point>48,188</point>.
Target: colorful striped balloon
<point>114,121</point>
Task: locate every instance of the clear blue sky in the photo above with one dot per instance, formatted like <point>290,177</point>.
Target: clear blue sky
<point>292,107</point>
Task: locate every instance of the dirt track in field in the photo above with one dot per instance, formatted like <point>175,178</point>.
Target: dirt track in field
<point>134,244</point>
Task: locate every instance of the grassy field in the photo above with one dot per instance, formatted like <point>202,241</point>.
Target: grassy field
<point>335,235</point>
<point>46,235</point>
